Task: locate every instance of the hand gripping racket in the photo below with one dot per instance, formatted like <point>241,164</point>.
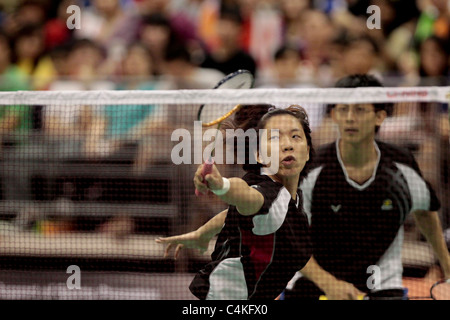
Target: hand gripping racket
<point>213,114</point>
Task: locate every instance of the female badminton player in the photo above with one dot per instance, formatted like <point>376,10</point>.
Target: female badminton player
<point>263,238</point>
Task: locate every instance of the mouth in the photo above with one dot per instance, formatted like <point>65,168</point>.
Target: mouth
<point>351,130</point>
<point>288,160</point>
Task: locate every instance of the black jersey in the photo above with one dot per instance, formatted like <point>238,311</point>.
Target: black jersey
<point>354,227</point>
<point>256,256</point>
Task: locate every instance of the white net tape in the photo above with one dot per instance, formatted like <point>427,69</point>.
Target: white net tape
<point>247,96</point>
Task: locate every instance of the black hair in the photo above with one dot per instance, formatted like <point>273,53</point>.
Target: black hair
<point>256,117</point>
<point>358,80</point>
<point>230,11</point>
<point>282,50</point>
<point>83,43</point>
<point>351,41</point>
<point>444,48</point>
<point>247,117</point>
<point>156,19</point>
<point>177,51</point>
<point>4,37</point>
<point>363,80</point>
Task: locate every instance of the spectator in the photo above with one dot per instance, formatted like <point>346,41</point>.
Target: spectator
<point>416,124</point>
<point>111,27</point>
<point>291,13</point>
<point>360,56</point>
<point>84,67</point>
<point>12,78</point>
<point>116,127</point>
<point>66,127</point>
<point>262,30</point>
<point>433,20</point>
<point>395,37</point>
<point>137,69</point>
<point>434,62</point>
<point>316,36</point>
<point>229,56</point>
<point>157,34</point>
<point>30,56</point>
<point>285,71</point>
<point>15,121</point>
<point>56,31</point>
<point>27,12</point>
<point>187,75</point>
<point>150,7</point>
<point>434,71</point>
<point>184,17</point>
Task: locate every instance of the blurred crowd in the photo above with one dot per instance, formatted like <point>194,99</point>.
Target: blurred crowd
<point>177,44</point>
<point>192,44</point>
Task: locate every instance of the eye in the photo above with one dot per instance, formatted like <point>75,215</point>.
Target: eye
<point>343,109</point>
<point>273,137</point>
<point>297,136</point>
<point>360,110</point>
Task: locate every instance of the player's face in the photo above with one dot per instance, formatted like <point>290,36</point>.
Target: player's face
<point>357,122</point>
<point>286,133</point>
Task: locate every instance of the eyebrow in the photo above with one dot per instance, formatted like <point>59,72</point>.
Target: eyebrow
<point>291,131</point>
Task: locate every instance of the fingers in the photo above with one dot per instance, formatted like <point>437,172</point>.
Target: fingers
<point>170,246</point>
<point>213,180</point>
<point>167,250</point>
<point>177,250</point>
<point>199,182</point>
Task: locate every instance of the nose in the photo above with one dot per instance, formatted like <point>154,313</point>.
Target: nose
<point>286,144</point>
<point>350,116</point>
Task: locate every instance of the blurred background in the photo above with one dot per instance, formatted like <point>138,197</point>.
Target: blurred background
<point>171,43</point>
<point>93,185</point>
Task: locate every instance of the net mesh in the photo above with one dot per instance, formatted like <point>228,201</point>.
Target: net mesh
<point>90,179</point>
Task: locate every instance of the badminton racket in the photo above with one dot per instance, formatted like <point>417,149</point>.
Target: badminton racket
<point>214,114</point>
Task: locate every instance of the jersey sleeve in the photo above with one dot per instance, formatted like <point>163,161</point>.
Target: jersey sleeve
<point>270,192</point>
<point>307,188</point>
<point>432,203</point>
<point>275,207</point>
<point>423,196</point>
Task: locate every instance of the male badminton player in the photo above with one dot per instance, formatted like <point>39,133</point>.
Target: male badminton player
<point>357,197</point>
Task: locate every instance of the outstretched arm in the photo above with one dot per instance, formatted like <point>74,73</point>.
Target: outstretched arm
<point>429,224</point>
<point>247,200</point>
<point>198,239</point>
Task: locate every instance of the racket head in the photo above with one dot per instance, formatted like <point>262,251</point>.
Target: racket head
<point>440,290</point>
<point>213,114</point>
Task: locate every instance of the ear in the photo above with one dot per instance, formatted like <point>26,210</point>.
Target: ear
<point>261,160</point>
<point>307,157</point>
<point>258,157</point>
<point>380,116</point>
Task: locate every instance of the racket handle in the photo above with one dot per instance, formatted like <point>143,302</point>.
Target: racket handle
<point>207,169</point>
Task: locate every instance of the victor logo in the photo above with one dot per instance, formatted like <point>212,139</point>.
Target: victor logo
<point>336,208</point>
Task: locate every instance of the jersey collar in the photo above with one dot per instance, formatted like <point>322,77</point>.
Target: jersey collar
<point>350,181</point>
